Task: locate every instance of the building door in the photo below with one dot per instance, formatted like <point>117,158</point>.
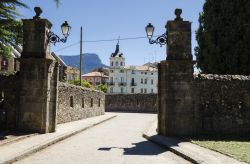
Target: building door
<point>3,113</point>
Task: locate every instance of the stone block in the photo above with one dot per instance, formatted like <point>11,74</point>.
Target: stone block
<point>35,41</point>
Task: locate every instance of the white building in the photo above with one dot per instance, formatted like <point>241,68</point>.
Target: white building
<point>130,79</point>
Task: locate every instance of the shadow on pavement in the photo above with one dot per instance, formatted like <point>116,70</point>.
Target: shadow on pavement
<point>140,148</point>
<point>12,134</point>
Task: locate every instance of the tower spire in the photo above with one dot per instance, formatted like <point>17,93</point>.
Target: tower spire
<point>117,46</point>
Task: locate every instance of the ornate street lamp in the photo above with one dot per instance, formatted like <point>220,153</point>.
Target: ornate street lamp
<point>53,38</point>
<point>162,40</point>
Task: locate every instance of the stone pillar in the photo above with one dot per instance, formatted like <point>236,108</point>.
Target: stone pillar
<point>175,117</point>
<point>39,78</point>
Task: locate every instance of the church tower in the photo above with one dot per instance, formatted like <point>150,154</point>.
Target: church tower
<point>116,58</point>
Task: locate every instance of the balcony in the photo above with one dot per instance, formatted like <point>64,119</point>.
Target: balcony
<point>122,84</point>
<point>133,84</point>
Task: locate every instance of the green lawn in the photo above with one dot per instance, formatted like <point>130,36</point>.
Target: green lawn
<point>238,149</point>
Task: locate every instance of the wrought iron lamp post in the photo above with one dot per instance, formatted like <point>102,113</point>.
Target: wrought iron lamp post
<point>162,40</point>
<point>53,38</point>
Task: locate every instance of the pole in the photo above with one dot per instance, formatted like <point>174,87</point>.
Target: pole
<point>81,58</point>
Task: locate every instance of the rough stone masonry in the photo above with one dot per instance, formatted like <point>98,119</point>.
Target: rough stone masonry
<point>198,104</point>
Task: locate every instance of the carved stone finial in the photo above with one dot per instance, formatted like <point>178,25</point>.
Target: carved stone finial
<point>178,14</point>
<point>38,11</point>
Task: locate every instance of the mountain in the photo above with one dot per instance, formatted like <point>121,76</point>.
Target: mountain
<point>90,61</point>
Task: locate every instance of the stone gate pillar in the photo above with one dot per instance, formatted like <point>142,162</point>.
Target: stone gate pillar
<point>39,77</point>
<point>175,117</point>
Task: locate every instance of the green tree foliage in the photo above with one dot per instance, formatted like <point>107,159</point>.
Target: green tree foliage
<point>103,87</point>
<point>84,83</point>
<point>10,29</point>
<point>224,37</point>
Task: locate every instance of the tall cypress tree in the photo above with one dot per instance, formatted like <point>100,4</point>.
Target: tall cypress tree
<point>223,37</point>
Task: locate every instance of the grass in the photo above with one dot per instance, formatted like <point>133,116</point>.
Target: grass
<point>238,148</point>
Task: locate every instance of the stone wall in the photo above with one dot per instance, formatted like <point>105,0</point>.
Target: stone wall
<point>131,103</point>
<point>222,104</point>
<point>75,103</point>
<point>9,100</point>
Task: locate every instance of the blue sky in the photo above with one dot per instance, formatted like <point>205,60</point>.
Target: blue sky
<point>109,19</point>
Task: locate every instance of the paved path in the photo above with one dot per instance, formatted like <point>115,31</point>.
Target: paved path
<point>113,142</point>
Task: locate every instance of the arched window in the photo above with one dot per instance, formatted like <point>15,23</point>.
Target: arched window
<point>121,63</point>
<point>112,63</point>
<point>117,63</point>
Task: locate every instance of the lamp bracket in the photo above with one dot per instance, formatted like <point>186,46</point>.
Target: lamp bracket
<point>53,38</point>
<point>162,40</point>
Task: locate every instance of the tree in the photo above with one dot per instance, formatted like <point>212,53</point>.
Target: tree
<point>103,87</point>
<point>10,28</point>
<point>223,37</point>
<point>84,83</point>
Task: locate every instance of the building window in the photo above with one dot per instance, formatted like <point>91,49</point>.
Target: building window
<point>15,64</point>
<point>133,80</point>
<point>121,63</point>
<point>116,63</point>
<point>141,81</point>
<point>99,102</point>
<point>121,89</point>
<point>145,90</point>
<point>4,64</point>
<point>152,73</point>
<point>141,90</point>
<point>71,101</point>
<point>122,79</point>
<point>152,81</point>
<point>111,71</point>
<point>146,73</point>
<point>122,71</point>
<point>141,72</point>
<point>145,81</point>
<point>91,102</point>
<point>152,90</point>
<point>133,72</point>
<point>111,90</point>
<point>112,63</point>
<point>132,90</point>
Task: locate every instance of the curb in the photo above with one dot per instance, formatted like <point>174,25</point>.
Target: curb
<point>16,139</point>
<point>154,140</point>
<point>51,142</point>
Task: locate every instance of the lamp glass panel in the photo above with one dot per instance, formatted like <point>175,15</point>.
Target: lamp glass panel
<point>150,31</point>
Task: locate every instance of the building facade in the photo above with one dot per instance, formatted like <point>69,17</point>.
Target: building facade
<point>95,78</point>
<point>72,73</point>
<point>130,79</point>
<point>11,64</point>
